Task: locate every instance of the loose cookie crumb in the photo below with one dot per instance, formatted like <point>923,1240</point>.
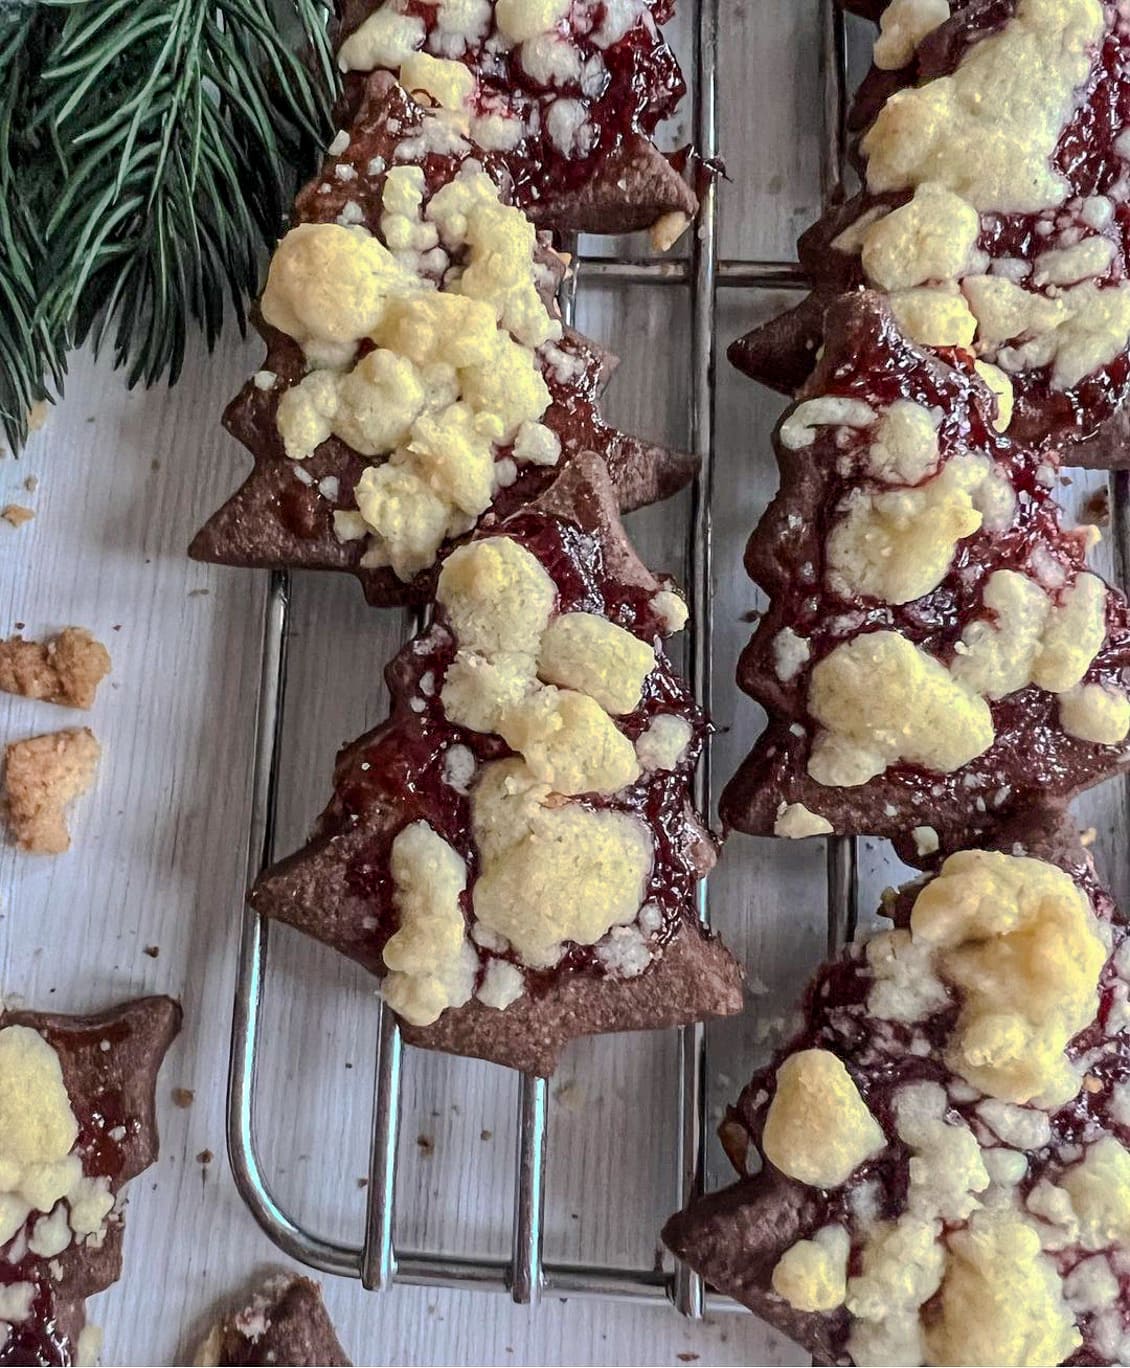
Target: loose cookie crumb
<point>42,775</point>
<point>66,670</point>
<point>17,514</point>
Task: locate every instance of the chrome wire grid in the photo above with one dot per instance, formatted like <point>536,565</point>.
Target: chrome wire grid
<point>526,1275</point>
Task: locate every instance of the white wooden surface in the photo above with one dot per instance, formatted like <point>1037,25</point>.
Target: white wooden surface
<point>159,848</point>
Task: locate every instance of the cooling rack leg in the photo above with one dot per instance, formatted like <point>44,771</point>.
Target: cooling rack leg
<point>529,1202</point>
<point>842,892</point>
<point>378,1255</point>
<point>253,938</point>
<point>533,1101</point>
<point>688,1288</point>
<point>242,1152</point>
<point>378,1263</point>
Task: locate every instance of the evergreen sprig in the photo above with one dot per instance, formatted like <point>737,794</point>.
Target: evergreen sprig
<point>149,151</point>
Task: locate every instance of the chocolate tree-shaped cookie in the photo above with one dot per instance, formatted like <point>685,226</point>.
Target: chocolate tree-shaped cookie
<point>568,95</point>
<point>284,1322</point>
<point>76,1124</point>
<point>515,850</point>
<point>935,1170</point>
<point>417,375</point>
<point>935,654</point>
<point>994,137</point>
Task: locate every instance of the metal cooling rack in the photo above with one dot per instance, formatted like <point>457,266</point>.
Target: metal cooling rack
<point>526,1275</point>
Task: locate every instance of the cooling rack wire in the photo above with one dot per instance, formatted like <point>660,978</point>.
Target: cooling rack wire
<point>526,1275</point>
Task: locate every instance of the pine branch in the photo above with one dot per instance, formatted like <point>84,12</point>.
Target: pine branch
<point>183,124</point>
<point>149,151</point>
<point>32,354</point>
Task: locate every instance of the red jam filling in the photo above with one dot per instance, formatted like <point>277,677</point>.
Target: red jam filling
<point>879,1057</point>
<point>402,763</point>
<point>641,85</point>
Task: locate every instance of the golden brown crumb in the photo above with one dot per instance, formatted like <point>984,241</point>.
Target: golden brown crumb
<point>37,415</point>
<point>667,230</point>
<point>42,775</point>
<point>16,514</point>
<point>67,669</point>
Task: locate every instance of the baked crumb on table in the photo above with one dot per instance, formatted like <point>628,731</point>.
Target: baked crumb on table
<point>17,514</point>
<point>66,669</point>
<point>41,776</point>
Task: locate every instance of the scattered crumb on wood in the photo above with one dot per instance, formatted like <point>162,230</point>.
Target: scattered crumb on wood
<point>41,776</point>
<point>152,951</point>
<point>1088,836</point>
<point>37,415</point>
<point>16,514</point>
<point>1096,508</point>
<point>31,484</point>
<point>687,1357</point>
<point>66,669</point>
<point>198,593</point>
<point>426,1145</point>
<point>183,1097</point>
<point>205,1157</point>
<point>486,1135</point>
<point>570,1095</point>
<point>362,1182</point>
